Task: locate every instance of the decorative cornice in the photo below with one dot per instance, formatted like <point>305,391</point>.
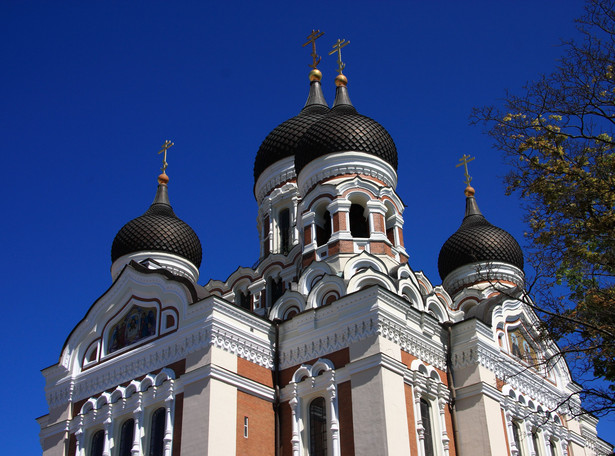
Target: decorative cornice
<point>342,163</point>
<point>280,172</point>
<point>366,316</point>
<point>211,329</point>
<point>473,273</point>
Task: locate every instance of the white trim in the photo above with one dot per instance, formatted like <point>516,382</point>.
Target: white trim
<point>179,266</point>
<point>274,175</point>
<point>349,162</point>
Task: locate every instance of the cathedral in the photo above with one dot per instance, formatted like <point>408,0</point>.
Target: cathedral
<point>331,343</point>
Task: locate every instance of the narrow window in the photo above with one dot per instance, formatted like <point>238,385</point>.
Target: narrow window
<point>156,441</point>
<point>127,433</point>
<point>359,227</point>
<point>318,427</point>
<point>245,427</point>
<point>323,229</point>
<point>276,289</point>
<point>427,428</point>
<point>97,444</point>
<point>243,300</point>
<point>284,224</point>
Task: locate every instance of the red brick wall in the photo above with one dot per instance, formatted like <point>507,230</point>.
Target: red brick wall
<point>339,221</point>
<point>261,426</point>
<point>177,424</point>
<point>378,223</point>
<point>344,403</point>
<point>254,372</point>
<point>286,429</point>
<point>410,415</point>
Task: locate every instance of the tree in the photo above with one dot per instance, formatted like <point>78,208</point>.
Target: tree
<point>557,138</point>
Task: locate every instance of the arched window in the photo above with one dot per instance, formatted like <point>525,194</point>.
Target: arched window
<point>323,229</point>
<point>284,227</point>
<point>359,226</point>
<point>318,427</point>
<point>427,427</point>
<point>275,289</point>
<point>156,441</point>
<point>243,299</point>
<point>98,443</point>
<point>127,433</point>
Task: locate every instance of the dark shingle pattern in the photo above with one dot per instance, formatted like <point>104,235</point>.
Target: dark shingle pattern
<point>477,240</point>
<point>158,229</point>
<point>345,130</point>
<point>283,140</point>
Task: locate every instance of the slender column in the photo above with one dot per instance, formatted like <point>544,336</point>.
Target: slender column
<point>138,417</point>
<point>547,445</point>
<point>564,446</point>
<point>80,436</point>
<point>294,407</point>
<point>108,427</point>
<point>445,439</point>
<point>309,219</point>
<point>169,405</point>
<point>530,439</point>
<point>335,425</point>
<point>514,451</point>
<point>293,221</point>
<point>420,430</point>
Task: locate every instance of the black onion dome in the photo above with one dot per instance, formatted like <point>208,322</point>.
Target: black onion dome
<point>342,130</point>
<point>477,240</point>
<point>283,140</point>
<point>158,229</point>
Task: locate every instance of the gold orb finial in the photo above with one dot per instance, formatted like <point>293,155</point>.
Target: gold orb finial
<point>163,179</point>
<point>341,80</point>
<point>469,191</point>
<point>315,75</point>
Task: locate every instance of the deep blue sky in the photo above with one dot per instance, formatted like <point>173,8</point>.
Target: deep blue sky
<point>90,91</point>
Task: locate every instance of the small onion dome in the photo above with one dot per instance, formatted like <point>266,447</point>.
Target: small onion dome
<point>158,229</point>
<point>477,241</point>
<point>343,130</point>
<point>282,141</point>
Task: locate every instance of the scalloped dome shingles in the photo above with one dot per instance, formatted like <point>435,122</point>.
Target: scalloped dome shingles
<point>158,229</point>
<point>345,130</point>
<point>477,240</point>
<point>283,140</point>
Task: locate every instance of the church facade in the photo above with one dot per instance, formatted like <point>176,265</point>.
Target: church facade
<point>331,344</point>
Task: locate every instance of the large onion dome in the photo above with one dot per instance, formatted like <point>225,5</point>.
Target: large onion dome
<point>343,130</point>
<point>158,230</point>
<point>478,241</point>
<point>283,140</point>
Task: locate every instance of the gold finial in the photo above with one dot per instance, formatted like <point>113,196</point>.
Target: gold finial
<point>337,47</point>
<point>312,37</point>
<point>163,178</point>
<point>469,191</point>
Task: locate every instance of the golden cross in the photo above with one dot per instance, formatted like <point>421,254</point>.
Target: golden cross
<point>337,47</point>
<point>312,37</point>
<point>464,161</point>
<point>166,146</point>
